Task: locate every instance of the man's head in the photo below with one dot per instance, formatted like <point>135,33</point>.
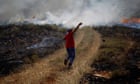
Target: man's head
<point>69,30</point>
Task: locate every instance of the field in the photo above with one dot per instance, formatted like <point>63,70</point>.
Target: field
<point>104,55</point>
<point>118,60</point>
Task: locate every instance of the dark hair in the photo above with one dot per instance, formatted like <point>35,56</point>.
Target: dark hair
<point>69,30</point>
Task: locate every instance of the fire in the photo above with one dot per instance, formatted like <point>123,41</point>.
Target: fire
<point>131,20</point>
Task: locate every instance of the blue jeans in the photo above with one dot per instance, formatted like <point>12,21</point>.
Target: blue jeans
<point>71,55</point>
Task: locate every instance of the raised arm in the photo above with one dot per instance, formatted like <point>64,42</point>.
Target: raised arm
<point>77,27</point>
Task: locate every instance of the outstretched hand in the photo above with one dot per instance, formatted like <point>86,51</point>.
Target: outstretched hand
<point>80,23</point>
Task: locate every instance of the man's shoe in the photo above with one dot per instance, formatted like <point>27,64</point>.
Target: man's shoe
<point>65,62</point>
<point>70,66</point>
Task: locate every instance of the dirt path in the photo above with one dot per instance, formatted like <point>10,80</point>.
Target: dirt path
<point>87,50</point>
<point>52,71</point>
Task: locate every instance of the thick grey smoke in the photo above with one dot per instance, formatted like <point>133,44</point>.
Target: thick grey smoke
<point>69,12</point>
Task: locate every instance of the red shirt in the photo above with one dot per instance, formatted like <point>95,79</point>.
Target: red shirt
<point>69,40</point>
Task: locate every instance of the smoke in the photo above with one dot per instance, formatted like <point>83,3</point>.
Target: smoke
<point>69,12</point>
<point>47,42</point>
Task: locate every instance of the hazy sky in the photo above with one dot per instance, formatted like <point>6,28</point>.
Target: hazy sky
<point>69,12</point>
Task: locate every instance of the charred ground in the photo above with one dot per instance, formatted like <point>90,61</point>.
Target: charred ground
<point>14,40</point>
<point>118,60</point>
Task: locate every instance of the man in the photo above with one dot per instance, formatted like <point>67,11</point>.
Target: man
<point>70,46</point>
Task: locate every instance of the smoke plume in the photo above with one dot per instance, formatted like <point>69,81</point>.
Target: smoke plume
<point>68,12</point>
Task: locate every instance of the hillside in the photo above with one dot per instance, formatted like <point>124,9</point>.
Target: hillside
<point>118,60</point>
<point>104,55</point>
<point>21,44</point>
<point>51,69</point>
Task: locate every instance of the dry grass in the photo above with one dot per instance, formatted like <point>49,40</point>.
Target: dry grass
<point>84,58</point>
<point>51,70</point>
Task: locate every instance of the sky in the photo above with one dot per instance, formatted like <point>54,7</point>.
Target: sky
<point>68,12</point>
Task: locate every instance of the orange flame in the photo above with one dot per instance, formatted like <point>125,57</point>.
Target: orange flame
<point>131,20</point>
